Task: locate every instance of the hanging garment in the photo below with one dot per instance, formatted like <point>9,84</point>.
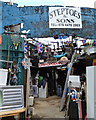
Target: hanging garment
<point>59,90</point>
<point>14,81</point>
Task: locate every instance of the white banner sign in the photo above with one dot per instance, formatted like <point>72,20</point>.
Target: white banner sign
<point>65,17</point>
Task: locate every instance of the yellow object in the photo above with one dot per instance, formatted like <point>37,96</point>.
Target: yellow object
<point>63,69</point>
<point>94,62</point>
<point>9,69</point>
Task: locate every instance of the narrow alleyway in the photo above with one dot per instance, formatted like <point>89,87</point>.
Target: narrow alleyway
<point>48,108</point>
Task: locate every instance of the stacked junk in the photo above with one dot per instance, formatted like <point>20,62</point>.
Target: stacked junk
<point>78,99</point>
<point>75,91</point>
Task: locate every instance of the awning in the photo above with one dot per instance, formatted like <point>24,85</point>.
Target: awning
<point>58,63</point>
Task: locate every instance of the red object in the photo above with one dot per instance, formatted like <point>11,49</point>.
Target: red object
<point>80,109</point>
<point>52,64</point>
<point>85,117</point>
<point>94,62</point>
<point>0,39</point>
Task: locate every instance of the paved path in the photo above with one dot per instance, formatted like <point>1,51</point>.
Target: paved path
<point>48,108</point>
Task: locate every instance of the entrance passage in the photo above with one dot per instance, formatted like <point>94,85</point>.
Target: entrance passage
<point>48,108</point>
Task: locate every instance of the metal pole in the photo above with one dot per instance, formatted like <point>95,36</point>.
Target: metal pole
<point>6,61</point>
<point>66,83</point>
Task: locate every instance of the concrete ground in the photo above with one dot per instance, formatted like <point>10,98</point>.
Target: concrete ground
<point>48,108</point>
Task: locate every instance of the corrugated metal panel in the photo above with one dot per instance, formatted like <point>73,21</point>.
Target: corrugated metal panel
<point>13,98</point>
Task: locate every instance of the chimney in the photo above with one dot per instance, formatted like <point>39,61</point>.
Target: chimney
<point>11,2</point>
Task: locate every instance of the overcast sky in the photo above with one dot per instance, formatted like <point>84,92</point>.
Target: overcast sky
<point>77,3</point>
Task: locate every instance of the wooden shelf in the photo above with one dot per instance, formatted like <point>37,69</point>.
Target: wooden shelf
<point>12,113</point>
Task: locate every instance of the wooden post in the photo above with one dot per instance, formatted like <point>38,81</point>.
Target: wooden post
<point>18,116</point>
<point>27,85</point>
<point>7,60</point>
<point>25,81</point>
